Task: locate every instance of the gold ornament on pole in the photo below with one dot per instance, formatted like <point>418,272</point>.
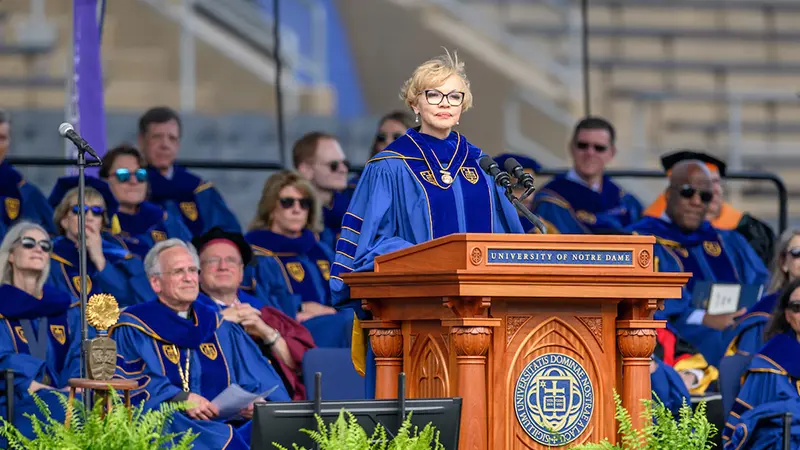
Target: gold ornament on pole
<point>102,312</point>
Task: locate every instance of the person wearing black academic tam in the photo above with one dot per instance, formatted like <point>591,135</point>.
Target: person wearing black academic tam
<point>721,214</point>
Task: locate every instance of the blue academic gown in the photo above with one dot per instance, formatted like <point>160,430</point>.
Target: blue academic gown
<point>305,268</point>
<point>149,225</point>
<point>63,350</point>
<point>710,255</point>
<point>197,202</point>
<point>747,335</point>
<point>152,340</point>
<point>123,276</point>
<point>22,200</point>
<point>401,200</point>
<point>668,387</point>
<point>332,216</point>
<point>770,387</point>
<point>569,207</point>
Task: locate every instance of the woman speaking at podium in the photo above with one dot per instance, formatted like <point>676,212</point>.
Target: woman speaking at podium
<point>425,185</point>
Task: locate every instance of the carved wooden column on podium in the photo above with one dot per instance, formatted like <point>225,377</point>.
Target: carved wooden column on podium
<point>471,338</point>
<point>386,340</point>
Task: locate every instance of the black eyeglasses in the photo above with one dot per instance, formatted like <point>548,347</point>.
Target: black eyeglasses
<point>334,165</point>
<point>288,202</point>
<point>96,210</point>
<point>688,192</point>
<point>28,243</point>
<point>580,145</point>
<point>384,137</point>
<point>435,97</point>
<point>124,175</point>
<point>794,252</point>
<point>793,307</point>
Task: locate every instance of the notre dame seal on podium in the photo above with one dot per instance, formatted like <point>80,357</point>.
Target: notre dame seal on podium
<point>554,399</point>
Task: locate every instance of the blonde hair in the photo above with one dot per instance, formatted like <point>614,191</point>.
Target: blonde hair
<point>10,243</point>
<point>271,194</point>
<point>71,199</point>
<point>779,278</point>
<point>433,73</point>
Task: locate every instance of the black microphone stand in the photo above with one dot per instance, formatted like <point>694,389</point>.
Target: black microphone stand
<point>535,220</point>
<point>82,165</point>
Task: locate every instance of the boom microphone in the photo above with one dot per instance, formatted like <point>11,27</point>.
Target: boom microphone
<point>67,131</point>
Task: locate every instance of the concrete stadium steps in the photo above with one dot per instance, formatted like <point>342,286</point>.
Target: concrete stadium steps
<point>141,66</point>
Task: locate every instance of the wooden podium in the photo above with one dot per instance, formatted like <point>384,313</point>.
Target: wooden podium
<point>534,332</point>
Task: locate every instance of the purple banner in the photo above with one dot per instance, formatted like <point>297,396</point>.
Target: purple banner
<point>88,95</point>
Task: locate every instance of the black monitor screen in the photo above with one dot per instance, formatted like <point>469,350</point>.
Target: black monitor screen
<point>281,422</point>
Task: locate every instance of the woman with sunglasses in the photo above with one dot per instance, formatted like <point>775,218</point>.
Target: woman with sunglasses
<point>141,223</point>
<point>40,334</point>
<point>285,231</point>
<point>747,336</point>
<point>111,268</point>
<point>771,383</point>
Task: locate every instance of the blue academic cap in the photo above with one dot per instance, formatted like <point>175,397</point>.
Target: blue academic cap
<point>65,184</point>
<point>527,162</point>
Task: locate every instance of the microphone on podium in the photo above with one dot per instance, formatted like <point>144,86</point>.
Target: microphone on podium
<point>67,131</point>
<point>503,179</point>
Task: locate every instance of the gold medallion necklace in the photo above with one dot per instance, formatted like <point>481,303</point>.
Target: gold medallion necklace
<point>184,375</point>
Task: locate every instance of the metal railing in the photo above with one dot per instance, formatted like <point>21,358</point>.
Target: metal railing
<point>783,196</point>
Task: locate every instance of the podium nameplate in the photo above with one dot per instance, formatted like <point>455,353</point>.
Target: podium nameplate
<point>507,256</point>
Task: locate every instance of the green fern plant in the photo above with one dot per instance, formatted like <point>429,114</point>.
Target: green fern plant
<point>120,429</point>
<point>346,434</point>
<point>692,430</point>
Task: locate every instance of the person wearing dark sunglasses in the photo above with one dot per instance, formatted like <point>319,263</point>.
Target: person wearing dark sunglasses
<point>182,193</point>
<point>39,329</point>
<point>142,223</point>
<point>19,198</point>
<point>585,200</point>
<point>286,229</point>
<point>111,268</point>
<point>687,242</point>
<point>747,337</point>
<point>770,383</point>
<point>320,159</point>
<point>721,214</point>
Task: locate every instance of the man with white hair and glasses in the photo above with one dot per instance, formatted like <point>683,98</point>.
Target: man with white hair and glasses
<point>181,350</point>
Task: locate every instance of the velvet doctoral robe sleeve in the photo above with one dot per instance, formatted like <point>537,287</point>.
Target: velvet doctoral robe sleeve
<point>249,368</point>
<point>557,215</point>
<point>138,359</point>
<point>668,386</point>
<point>213,210</point>
<point>370,227</point>
<point>750,268</point>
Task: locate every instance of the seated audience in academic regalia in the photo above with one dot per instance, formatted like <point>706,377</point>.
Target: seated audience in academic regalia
<point>284,229</point>
<point>770,383</point>
<point>747,335</point>
<point>668,386</point>
<point>182,193</point>
<point>319,158</point>
<point>141,223</point>
<point>18,198</point>
<point>180,349</point>
<point>584,200</point>
<point>111,268</point>
<point>282,340</point>
<point>40,337</point>
<point>721,214</point>
<point>686,242</point>
<point>390,128</point>
<point>531,167</point>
